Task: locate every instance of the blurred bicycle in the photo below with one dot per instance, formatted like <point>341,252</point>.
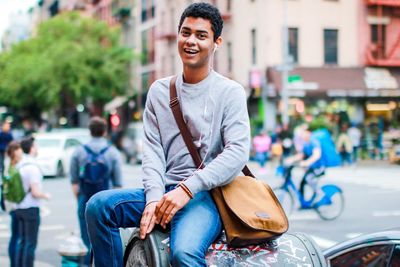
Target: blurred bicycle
<point>327,200</point>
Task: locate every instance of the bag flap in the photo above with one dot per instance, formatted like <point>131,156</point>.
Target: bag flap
<point>253,202</point>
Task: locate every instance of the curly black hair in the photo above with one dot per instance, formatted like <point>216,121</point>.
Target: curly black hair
<point>205,11</point>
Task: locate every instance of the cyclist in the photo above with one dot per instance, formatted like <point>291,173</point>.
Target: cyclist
<point>309,156</point>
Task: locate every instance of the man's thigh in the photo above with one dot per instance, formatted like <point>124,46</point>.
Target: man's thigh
<point>197,225</point>
<point>120,207</point>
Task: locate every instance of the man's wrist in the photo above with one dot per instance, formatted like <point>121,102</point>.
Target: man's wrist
<point>186,190</point>
<point>154,201</point>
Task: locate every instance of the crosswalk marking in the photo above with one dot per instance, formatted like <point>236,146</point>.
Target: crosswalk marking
<point>386,213</point>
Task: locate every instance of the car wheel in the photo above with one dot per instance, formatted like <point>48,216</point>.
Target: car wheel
<point>60,170</point>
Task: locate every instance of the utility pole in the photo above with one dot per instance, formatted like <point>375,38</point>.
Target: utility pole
<point>285,67</point>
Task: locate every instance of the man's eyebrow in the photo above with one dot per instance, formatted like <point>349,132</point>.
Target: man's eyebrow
<point>197,31</point>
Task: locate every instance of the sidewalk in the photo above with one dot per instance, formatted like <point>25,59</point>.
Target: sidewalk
<point>5,262</point>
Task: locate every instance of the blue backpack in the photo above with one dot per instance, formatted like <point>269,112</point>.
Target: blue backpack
<point>329,155</point>
<point>94,175</point>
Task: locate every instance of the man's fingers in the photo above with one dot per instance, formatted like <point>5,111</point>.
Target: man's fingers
<point>168,215</point>
<point>151,224</point>
<point>144,222</point>
<point>162,208</point>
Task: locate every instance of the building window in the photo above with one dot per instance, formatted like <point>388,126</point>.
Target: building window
<point>378,39</point>
<point>148,46</point>
<point>228,5</point>
<point>293,44</point>
<point>147,10</point>
<point>144,11</point>
<point>230,66</point>
<point>253,47</point>
<point>330,46</point>
<point>144,57</point>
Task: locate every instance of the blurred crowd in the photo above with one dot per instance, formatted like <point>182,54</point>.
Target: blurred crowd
<point>354,141</point>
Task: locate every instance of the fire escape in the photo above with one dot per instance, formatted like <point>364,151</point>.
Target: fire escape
<point>378,54</point>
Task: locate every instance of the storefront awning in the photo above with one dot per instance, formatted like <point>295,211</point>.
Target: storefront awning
<point>115,103</point>
<point>337,82</point>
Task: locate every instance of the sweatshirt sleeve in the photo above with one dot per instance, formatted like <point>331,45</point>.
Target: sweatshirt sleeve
<point>235,132</point>
<point>116,169</point>
<point>153,163</point>
<point>74,167</point>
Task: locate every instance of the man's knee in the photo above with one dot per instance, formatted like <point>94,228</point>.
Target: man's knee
<point>187,256</point>
<point>98,205</point>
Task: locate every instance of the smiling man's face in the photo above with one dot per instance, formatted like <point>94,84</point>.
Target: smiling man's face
<point>196,42</point>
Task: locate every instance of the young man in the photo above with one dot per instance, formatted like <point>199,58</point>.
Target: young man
<point>112,159</point>
<point>175,191</point>
<point>27,212</point>
<point>309,157</point>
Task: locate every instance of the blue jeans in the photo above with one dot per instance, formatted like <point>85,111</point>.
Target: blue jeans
<point>262,158</point>
<point>12,244</point>
<point>28,231</point>
<point>82,200</point>
<point>193,228</point>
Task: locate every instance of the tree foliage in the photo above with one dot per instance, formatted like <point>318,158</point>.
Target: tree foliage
<point>70,59</point>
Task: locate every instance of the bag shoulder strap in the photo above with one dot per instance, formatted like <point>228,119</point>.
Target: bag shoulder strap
<point>187,136</point>
<point>94,154</point>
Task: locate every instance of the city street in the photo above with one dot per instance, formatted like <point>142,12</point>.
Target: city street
<point>371,193</point>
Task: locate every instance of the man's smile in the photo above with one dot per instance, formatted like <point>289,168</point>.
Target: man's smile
<point>190,51</point>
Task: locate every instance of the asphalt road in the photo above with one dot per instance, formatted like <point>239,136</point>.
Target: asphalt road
<point>371,191</point>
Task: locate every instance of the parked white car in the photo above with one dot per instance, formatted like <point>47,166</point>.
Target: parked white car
<point>132,142</point>
<point>54,152</point>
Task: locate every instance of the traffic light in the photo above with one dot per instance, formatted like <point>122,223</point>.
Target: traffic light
<point>115,120</point>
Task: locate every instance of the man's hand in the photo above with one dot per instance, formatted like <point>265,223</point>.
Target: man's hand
<point>170,204</point>
<point>288,161</point>
<point>304,164</point>
<point>75,190</point>
<point>148,219</point>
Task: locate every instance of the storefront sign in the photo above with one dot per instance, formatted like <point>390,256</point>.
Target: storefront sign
<point>300,85</point>
<point>363,93</point>
<point>379,78</point>
<point>295,82</point>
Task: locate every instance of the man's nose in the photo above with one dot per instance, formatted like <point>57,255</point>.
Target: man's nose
<point>191,40</point>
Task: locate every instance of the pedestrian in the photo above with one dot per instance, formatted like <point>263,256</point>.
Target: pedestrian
<point>175,190</point>
<point>355,137</point>
<point>344,145</point>
<point>27,212</point>
<point>262,145</point>
<point>14,152</point>
<point>109,172</point>
<point>5,138</point>
<point>286,139</point>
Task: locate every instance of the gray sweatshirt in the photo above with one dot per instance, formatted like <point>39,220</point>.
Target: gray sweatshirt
<point>215,111</point>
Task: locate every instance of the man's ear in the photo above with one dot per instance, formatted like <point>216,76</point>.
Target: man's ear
<point>218,42</point>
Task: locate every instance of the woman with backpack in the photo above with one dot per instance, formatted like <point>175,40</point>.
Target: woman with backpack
<point>14,152</point>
